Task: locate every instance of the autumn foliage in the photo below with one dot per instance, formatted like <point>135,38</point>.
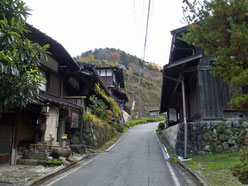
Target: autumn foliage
<point>116,56</point>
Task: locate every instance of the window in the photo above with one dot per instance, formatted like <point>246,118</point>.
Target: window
<point>109,72</point>
<point>43,84</point>
<point>103,72</point>
<point>98,71</point>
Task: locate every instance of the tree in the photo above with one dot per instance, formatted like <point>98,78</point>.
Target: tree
<point>116,56</point>
<point>19,58</point>
<point>220,27</point>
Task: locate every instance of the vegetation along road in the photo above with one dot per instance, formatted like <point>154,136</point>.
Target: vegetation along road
<point>136,159</point>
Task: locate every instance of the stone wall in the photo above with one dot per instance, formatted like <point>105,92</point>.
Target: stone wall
<point>97,135</point>
<point>214,136</point>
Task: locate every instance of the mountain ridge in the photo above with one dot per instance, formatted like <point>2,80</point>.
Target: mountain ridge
<point>151,76</point>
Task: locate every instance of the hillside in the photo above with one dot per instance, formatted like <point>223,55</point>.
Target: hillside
<point>151,77</point>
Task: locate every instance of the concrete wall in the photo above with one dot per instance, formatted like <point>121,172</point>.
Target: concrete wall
<point>170,134</point>
<point>52,123</point>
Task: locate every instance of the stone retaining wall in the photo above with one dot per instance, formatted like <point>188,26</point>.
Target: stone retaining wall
<point>214,136</point>
<point>98,135</point>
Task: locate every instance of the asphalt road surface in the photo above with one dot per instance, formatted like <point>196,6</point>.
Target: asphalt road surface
<point>137,159</point>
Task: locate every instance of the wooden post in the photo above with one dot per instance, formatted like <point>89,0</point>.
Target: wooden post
<point>184,113</point>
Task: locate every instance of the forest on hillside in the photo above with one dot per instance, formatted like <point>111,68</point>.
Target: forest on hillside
<point>151,76</point>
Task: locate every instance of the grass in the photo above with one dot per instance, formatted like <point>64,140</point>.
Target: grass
<point>215,168</point>
<point>142,120</point>
<point>109,143</point>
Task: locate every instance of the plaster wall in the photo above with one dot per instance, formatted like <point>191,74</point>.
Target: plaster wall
<point>52,123</point>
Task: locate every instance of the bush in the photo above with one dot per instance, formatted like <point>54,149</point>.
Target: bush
<point>243,155</point>
<point>161,126</point>
<point>54,162</point>
<point>142,120</point>
<point>133,123</point>
<point>241,170</point>
<point>156,119</point>
<point>119,128</point>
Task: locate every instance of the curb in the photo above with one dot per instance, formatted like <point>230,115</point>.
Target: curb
<point>185,167</point>
<point>57,172</point>
<point>194,174</point>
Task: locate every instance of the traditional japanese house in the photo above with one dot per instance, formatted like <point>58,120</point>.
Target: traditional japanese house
<point>206,96</point>
<point>44,119</point>
<point>187,80</point>
<point>113,79</point>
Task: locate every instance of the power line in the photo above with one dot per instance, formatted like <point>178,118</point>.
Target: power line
<point>147,26</point>
<point>140,71</point>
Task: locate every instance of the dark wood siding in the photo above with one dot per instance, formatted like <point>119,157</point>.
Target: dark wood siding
<point>54,84</point>
<point>26,123</point>
<point>210,95</point>
<point>227,95</point>
<point>107,80</point>
<point>194,109</point>
<point>6,130</point>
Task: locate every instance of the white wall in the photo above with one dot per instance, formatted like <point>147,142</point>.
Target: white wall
<point>126,116</point>
<point>52,123</point>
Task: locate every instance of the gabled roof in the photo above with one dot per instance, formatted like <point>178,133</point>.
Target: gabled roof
<point>58,52</point>
<point>179,30</point>
<point>182,55</point>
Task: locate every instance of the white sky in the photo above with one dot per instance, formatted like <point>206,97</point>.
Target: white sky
<point>82,25</point>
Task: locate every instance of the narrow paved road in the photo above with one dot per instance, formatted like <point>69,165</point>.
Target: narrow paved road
<point>136,160</point>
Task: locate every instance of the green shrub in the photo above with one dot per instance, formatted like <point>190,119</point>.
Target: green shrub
<point>142,120</point>
<point>243,155</point>
<point>54,162</point>
<point>241,170</point>
<point>119,128</point>
<point>161,126</point>
<point>133,123</point>
<point>156,119</point>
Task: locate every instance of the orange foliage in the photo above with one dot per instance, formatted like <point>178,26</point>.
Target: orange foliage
<point>116,56</point>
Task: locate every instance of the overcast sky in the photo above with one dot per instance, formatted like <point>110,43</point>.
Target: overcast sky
<point>82,25</point>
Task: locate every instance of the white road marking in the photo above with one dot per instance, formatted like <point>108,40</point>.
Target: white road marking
<point>67,174</point>
<point>166,157</point>
<point>173,174</point>
<point>166,152</point>
<point>160,144</point>
<point>116,142</point>
<point>86,162</point>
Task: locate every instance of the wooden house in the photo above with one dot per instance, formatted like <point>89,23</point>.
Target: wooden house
<point>206,96</point>
<point>46,118</point>
<point>89,76</point>
<point>113,79</point>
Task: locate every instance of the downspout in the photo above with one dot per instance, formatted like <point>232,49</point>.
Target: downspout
<point>184,113</point>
